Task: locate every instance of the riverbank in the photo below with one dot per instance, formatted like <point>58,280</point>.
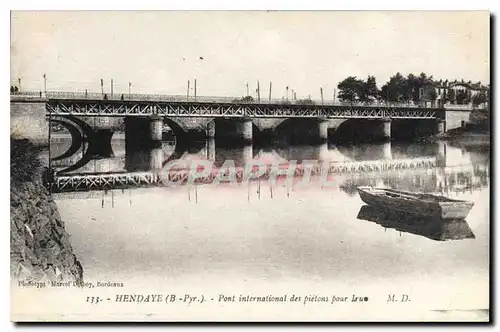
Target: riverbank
<point>39,244</point>
<point>473,133</point>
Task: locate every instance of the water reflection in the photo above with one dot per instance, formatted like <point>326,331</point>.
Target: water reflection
<point>452,170</point>
<point>432,228</point>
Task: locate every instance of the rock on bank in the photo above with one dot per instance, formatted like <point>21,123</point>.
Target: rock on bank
<point>39,244</point>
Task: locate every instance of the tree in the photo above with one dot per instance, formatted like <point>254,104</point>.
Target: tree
<point>396,89</point>
<point>450,96</point>
<point>370,90</point>
<point>304,102</point>
<point>413,86</point>
<point>247,99</point>
<point>351,89</point>
<point>479,98</point>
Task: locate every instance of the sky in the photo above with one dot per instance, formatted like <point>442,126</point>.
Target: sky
<point>159,51</point>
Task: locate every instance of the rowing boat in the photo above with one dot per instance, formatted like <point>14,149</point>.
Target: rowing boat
<point>416,203</point>
<point>432,228</point>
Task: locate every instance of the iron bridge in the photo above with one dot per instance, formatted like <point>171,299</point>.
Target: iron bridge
<point>112,108</point>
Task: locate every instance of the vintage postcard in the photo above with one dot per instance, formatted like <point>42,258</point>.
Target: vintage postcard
<point>290,166</point>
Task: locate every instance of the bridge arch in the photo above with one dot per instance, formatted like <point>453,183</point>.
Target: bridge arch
<point>406,129</point>
<point>301,131</point>
<point>265,124</point>
<point>363,130</point>
<point>76,138</point>
<point>178,128</point>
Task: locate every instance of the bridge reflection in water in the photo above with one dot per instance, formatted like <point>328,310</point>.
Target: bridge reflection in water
<point>416,167</point>
<point>432,228</point>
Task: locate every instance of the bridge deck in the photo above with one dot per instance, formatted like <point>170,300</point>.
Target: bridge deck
<point>215,109</point>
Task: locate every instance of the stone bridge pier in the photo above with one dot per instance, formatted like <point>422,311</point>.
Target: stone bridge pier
<point>143,132</point>
<point>145,160</point>
<point>231,131</point>
<point>323,130</point>
<point>440,126</point>
<point>384,130</point>
<point>155,128</point>
<point>245,130</point>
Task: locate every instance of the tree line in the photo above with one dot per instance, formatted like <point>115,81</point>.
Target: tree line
<point>401,89</point>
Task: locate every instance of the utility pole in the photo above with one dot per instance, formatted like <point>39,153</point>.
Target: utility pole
<point>19,80</point>
<point>295,96</point>
<point>248,93</point>
<point>102,87</point>
<point>270,88</point>
<point>111,88</point>
<point>187,95</point>
<point>287,93</point>
<point>195,89</point>
<point>334,95</point>
<point>44,83</point>
<point>321,91</point>
<point>129,85</point>
<point>258,91</point>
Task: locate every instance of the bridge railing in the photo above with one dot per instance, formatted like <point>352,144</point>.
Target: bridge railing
<point>220,99</point>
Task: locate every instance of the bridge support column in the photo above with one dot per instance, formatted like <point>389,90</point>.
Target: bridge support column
<point>440,126</point>
<point>210,149</point>
<point>441,153</point>
<point>323,152</point>
<point>385,130</point>
<point>211,129</point>
<point>155,128</point>
<point>156,159</point>
<point>245,130</point>
<point>323,130</point>
<point>387,151</point>
<point>247,155</point>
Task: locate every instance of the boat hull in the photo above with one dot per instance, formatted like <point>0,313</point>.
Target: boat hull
<point>442,208</point>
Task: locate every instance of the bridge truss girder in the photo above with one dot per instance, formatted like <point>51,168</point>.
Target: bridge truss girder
<point>226,110</point>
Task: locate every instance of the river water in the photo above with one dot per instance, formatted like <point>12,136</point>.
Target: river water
<point>309,239</point>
